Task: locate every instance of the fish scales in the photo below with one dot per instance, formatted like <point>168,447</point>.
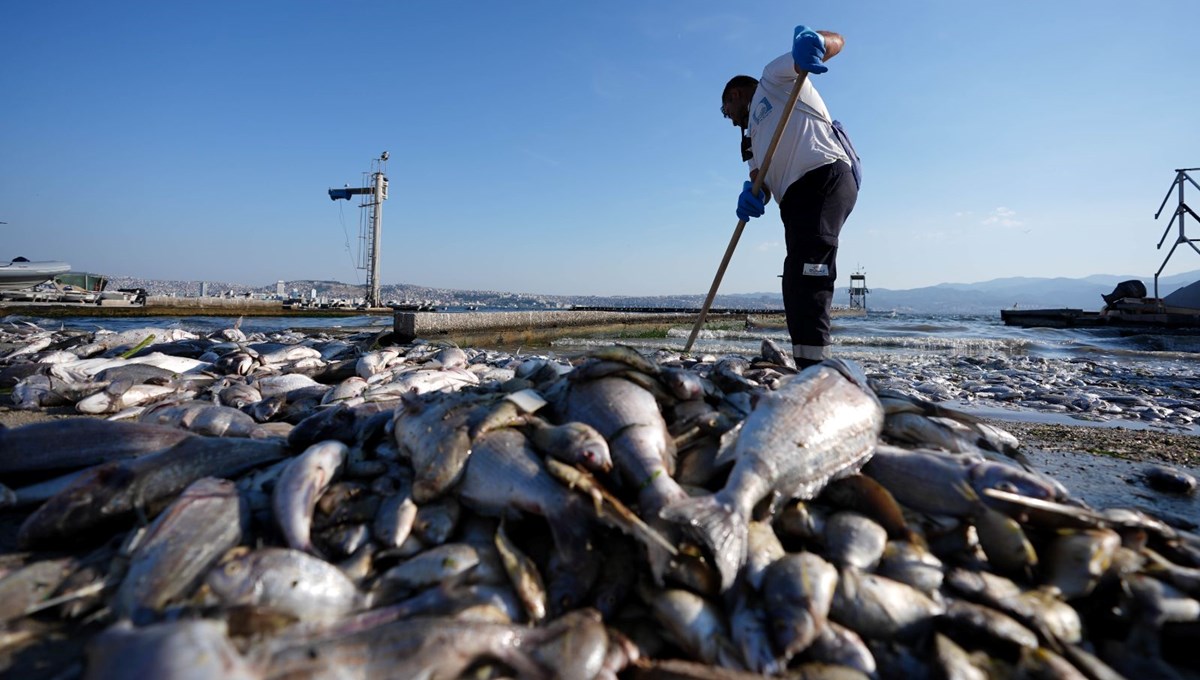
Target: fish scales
<point>818,426</point>
<point>114,490</point>
<point>183,542</point>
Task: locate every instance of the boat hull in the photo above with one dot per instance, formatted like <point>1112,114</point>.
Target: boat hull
<point>19,275</point>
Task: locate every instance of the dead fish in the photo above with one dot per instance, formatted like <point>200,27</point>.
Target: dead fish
<point>287,582</point>
<point>395,519</point>
<point>434,429</point>
<point>524,575</point>
<point>773,353</point>
<point>505,475</point>
<point>1075,560</point>
<point>71,443</point>
<point>1168,479</point>
<point>179,547</point>
<point>926,481</point>
<point>764,548</point>
<point>300,485</point>
<point>432,566</point>
<point>122,395</point>
<point>338,422</point>
<point>820,425</point>
<point>841,646</point>
<point>432,380</point>
<point>854,540</point>
<point>572,443</point>
<point>114,490</point>
<point>180,650</point>
<point>642,450</point>
<point>238,395</point>
<point>913,564</point>
<point>882,609</point>
<point>955,662</point>
<point>697,625</point>
<point>437,647</point>
<point>205,418</point>
<point>1004,542</point>
<point>797,592</point>
<point>29,585</point>
<point>982,626</point>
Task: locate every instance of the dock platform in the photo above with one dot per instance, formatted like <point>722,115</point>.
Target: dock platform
<point>1133,315</point>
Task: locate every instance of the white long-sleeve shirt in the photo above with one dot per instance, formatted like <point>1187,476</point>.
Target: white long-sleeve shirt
<point>806,144</point>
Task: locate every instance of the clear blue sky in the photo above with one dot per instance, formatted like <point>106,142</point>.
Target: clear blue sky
<point>576,148</point>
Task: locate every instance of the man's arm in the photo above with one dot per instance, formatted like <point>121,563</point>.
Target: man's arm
<point>810,49</point>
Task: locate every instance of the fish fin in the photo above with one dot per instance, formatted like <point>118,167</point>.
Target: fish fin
<point>720,527</point>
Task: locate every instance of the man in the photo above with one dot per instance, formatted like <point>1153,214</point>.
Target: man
<point>809,173</point>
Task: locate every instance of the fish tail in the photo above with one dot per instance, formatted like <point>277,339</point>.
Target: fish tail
<point>721,528</point>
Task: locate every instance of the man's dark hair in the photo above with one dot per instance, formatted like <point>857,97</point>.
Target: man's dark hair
<point>738,82</point>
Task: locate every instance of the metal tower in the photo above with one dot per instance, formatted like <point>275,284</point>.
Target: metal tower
<point>858,291</point>
<point>1181,174</point>
<point>375,193</point>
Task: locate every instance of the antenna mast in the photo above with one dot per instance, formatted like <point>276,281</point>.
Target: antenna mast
<point>375,193</point>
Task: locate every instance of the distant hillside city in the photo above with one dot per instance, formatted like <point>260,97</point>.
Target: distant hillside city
<point>947,298</point>
<point>441,298</point>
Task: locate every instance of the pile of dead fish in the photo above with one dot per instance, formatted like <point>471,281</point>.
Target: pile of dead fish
<point>313,506</point>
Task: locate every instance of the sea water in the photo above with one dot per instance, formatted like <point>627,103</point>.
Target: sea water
<point>876,333</point>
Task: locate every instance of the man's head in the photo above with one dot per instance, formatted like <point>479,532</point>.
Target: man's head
<point>735,100</point>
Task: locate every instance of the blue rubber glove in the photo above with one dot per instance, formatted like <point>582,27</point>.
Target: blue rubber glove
<point>750,205</point>
<point>808,49</point>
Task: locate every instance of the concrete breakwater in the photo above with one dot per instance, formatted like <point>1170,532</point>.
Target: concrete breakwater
<point>500,329</point>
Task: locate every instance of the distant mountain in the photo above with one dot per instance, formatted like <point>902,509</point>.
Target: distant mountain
<point>987,297</point>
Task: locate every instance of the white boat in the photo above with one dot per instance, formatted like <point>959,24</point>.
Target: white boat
<point>22,273</point>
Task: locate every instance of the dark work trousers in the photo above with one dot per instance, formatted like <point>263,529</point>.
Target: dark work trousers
<point>813,211</point>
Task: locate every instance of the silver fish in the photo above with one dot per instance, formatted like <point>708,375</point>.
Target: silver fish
<point>431,647</point>
<point>285,581</point>
<point>854,540</point>
<point>575,443</point>
<point>882,609</point>
<point>80,442</point>
<point>505,475</point>
<point>112,491</point>
<point>822,424</point>
<point>642,450</point>
<point>181,650</point>
<point>797,594</point>
<point>183,542</point>
<point>433,429</point>
<point>841,646</point>
<point>763,549</point>
<point>697,625</point>
<point>299,487</point>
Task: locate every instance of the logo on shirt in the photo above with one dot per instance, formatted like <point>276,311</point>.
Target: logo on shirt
<point>761,110</point>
